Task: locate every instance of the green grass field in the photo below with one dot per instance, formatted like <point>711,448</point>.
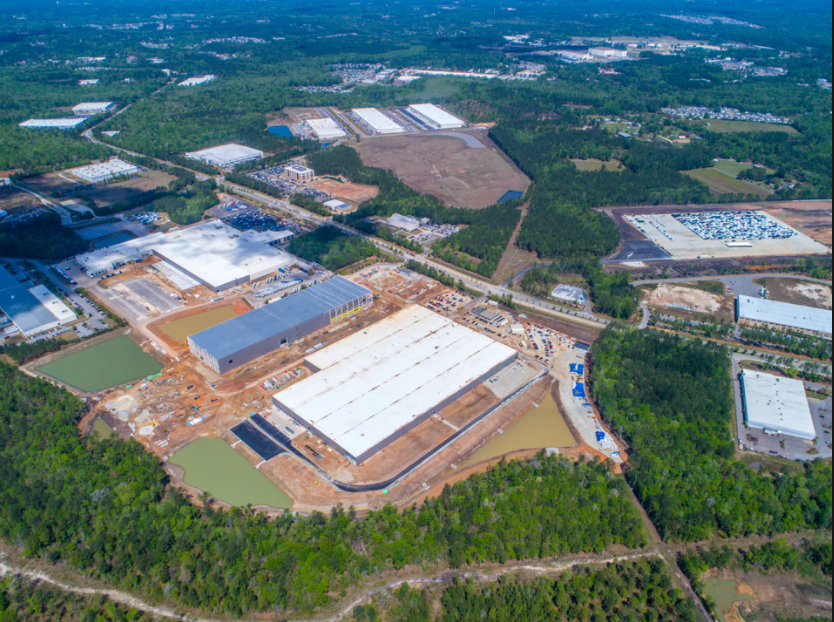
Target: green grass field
<point>722,183</point>
<point>593,164</point>
<point>720,125</point>
<point>103,365</point>
<point>211,465</point>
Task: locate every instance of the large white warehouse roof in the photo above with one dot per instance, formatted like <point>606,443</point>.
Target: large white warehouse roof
<point>436,116</point>
<point>378,384</point>
<point>784,314</point>
<point>225,155</point>
<point>103,171</point>
<point>91,108</point>
<point>66,123</point>
<point>326,128</point>
<point>378,122</point>
<point>776,405</point>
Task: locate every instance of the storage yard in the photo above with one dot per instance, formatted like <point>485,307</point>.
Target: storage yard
<point>464,169</point>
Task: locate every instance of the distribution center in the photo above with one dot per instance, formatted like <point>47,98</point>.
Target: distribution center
<point>104,171</point>
<point>326,129</point>
<point>377,122</point>
<point>435,117</point>
<point>776,405</point>
<point>34,310</point>
<point>247,337</point>
<point>225,156</point>
<point>783,314</point>
<point>375,386</point>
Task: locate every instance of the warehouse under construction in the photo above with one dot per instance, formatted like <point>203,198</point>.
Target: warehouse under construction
<point>243,339</point>
<point>372,388</point>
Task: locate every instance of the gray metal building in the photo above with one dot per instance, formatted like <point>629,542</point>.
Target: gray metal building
<point>22,308</point>
<point>243,339</point>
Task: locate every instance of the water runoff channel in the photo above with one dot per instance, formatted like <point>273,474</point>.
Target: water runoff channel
<point>268,442</point>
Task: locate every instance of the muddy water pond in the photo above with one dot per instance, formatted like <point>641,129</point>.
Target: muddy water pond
<point>182,329</point>
<point>725,593</point>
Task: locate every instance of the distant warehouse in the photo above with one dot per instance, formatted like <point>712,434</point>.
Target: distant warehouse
<point>104,171</point>
<point>435,117</point>
<point>88,109</point>
<point>33,310</point>
<point>225,156</point>
<point>776,405</point>
<point>775,313</point>
<point>243,339</point>
<point>326,128</point>
<point>378,122</point>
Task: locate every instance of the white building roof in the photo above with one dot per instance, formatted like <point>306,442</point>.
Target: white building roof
<point>225,155</point>
<point>197,80</point>
<point>784,314</point>
<point>111,168</point>
<point>437,115</point>
<point>60,124</point>
<point>336,204</point>
<point>407,223</point>
<point>377,381</point>
<point>777,405</point>
<point>377,121</point>
<point>568,292</point>
<point>92,107</point>
<point>53,304</point>
<point>326,128</point>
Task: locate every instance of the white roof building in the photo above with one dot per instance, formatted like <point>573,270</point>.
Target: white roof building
<point>574,55</point>
<point>776,405</point>
<point>783,314</point>
<point>97,173</point>
<point>326,129</point>
<point>67,123</point>
<point>569,293</point>
<point>88,109</point>
<point>211,253</point>
<point>88,82</point>
<point>225,156</point>
<point>406,223</point>
<point>435,116</point>
<point>196,80</point>
<point>377,121</point>
<point>604,52</point>
<point>378,384</point>
<point>338,206</point>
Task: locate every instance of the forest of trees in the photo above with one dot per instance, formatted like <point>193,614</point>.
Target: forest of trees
<point>42,237</point>
<point>671,400</point>
<point>189,206</point>
<point>104,507</point>
<point>331,247</point>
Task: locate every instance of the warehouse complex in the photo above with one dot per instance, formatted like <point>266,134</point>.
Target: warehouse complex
<point>435,117</point>
<point>104,171</point>
<point>34,310</point>
<point>67,123</point>
<point>212,254</point>
<point>776,405</point>
<point>88,109</point>
<point>243,339</point>
<point>783,314</point>
<point>375,386</point>
<point>326,129</point>
<point>225,156</point>
<point>377,122</point>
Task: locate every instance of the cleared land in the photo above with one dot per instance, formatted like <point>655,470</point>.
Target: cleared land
<point>12,200</point>
<point>593,164</point>
<point>806,293</point>
<point>813,218</point>
<point>720,125</point>
<point>447,166</point>
<point>669,299</point>
<point>720,182</point>
<point>106,195</point>
<point>103,365</point>
<point>183,328</point>
<point>347,191</point>
<point>48,183</point>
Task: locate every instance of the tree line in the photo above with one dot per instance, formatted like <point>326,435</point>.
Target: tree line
<point>41,237</point>
<point>331,247</point>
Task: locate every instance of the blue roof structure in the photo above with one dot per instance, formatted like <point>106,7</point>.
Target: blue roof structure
<point>579,390</point>
<point>22,307</point>
<point>257,326</point>
<point>577,368</point>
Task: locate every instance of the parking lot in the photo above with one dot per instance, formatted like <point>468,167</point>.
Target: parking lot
<point>740,225</point>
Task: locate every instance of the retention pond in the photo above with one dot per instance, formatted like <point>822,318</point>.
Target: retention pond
<point>182,329</point>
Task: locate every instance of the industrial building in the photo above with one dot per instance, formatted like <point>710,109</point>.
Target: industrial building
<point>104,171</point>
<point>88,109</point>
<point>377,385</point>
<point>245,338</point>
<point>338,206</point>
<point>300,173</point>
<point>568,293</point>
<point>488,316</point>
<point>776,405</point>
<point>377,121</point>
<point>435,117</point>
<point>574,56</point>
<point>67,123</point>
<point>225,156</point>
<point>604,52</point>
<point>35,310</point>
<point>326,129</point>
<point>775,313</point>
<point>212,254</point>
<point>198,80</point>
<point>406,223</point>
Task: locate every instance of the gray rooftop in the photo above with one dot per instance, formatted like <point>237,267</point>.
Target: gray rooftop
<point>241,332</point>
<point>26,311</point>
<point>784,314</point>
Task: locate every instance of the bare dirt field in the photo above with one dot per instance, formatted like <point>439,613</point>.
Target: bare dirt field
<point>669,298</point>
<point>813,218</point>
<point>109,194</point>
<point>806,293</point>
<point>12,200</point>
<point>355,193</point>
<point>48,183</point>
<point>447,166</point>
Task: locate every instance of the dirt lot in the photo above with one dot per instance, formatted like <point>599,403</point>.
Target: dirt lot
<point>109,194</point>
<point>446,166</point>
<point>669,298</point>
<point>813,218</point>
<point>806,293</point>
<point>48,183</point>
<point>12,200</point>
<point>355,193</point>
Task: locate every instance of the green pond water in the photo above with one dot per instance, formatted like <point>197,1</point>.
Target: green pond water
<point>536,429</point>
<point>211,465</point>
<point>180,330</point>
<point>724,593</point>
<point>103,430</point>
<point>103,365</point>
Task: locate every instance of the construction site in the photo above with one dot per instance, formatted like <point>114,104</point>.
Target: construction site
<point>370,405</point>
